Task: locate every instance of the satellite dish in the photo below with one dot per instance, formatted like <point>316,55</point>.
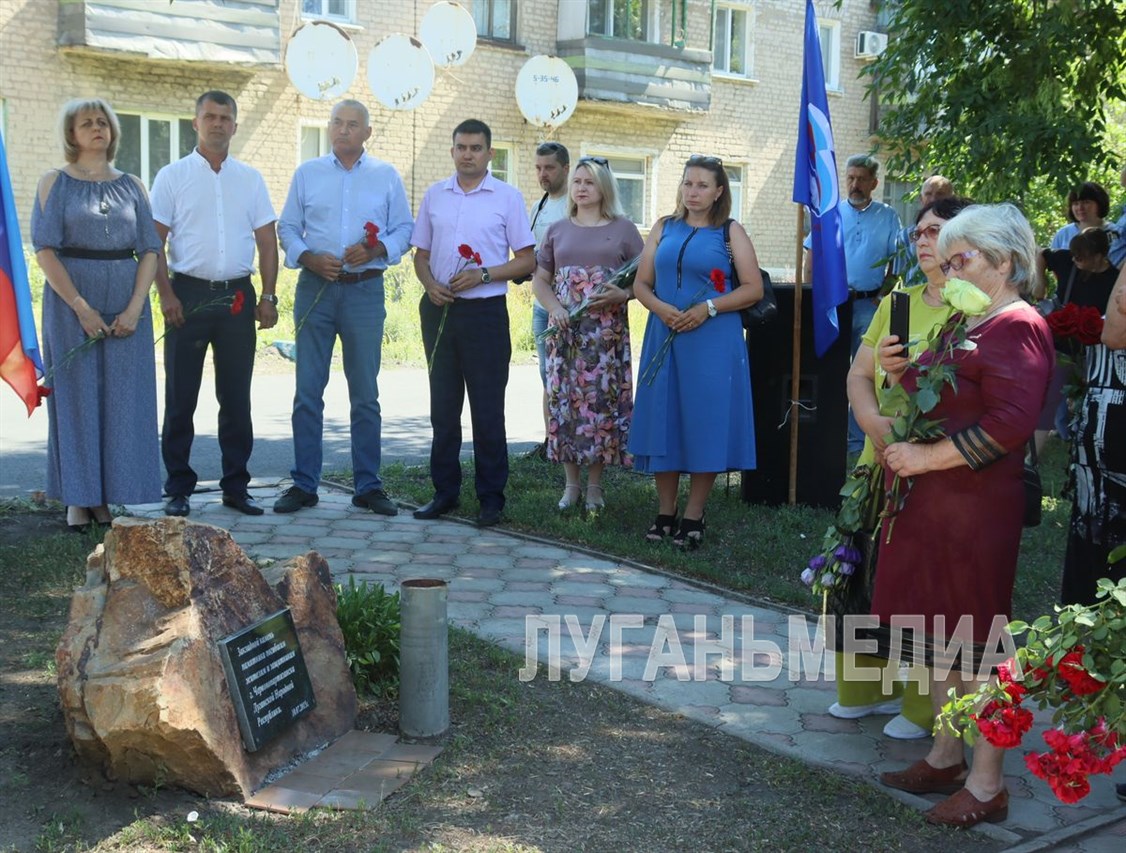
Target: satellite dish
<point>400,72</point>
<point>321,61</point>
<point>546,91</point>
<point>449,33</point>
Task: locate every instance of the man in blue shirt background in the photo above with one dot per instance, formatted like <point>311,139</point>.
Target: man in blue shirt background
<point>326,229</point>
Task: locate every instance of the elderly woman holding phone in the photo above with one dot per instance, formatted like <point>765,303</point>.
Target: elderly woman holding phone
<point>947,560</point>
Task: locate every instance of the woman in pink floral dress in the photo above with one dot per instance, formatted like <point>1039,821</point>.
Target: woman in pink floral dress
<point>589,380</point>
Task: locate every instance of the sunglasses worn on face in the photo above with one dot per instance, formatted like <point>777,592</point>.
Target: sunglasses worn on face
<point>958,261</point>
<point>930,232</point>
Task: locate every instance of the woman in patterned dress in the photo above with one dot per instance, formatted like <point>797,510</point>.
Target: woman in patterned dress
<point>589,380</point>
<point>95,241</point>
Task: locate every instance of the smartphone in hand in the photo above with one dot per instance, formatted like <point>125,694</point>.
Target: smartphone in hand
<point>900,317</point>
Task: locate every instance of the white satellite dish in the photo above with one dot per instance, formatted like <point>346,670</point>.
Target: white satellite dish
<point>546,91</point>
<point>321,61</point>
<point>449,33</point>
<point>400,72</point>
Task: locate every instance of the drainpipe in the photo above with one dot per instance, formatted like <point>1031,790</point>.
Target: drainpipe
<point>424,659</point>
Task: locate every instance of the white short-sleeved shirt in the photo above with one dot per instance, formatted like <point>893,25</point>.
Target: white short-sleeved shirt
<point>211,216</point>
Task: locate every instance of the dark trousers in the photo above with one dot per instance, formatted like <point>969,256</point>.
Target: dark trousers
<point>209,322</point>
<point>472,355</point>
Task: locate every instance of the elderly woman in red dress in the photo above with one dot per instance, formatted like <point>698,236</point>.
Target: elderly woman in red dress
<point>951,560</point>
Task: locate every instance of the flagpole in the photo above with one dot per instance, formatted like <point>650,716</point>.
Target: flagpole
<point>795,365</point>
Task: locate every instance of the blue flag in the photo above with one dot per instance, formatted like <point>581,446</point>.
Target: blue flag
<point>816,186</point>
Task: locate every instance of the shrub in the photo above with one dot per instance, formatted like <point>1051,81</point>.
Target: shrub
<point>369,620</point>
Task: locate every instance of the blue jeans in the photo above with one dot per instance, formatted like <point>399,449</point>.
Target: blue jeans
<point>539,325</point>
<point>322,310</point>
<point>863,310</point>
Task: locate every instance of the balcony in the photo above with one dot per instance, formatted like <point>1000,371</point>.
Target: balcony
<point>246,32</point>
<point>636,74</point>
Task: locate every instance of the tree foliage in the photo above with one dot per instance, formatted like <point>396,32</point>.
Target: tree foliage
<point>1008,98</point>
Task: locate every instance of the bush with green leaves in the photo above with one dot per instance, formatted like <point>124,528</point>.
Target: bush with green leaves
<point>369,620</point>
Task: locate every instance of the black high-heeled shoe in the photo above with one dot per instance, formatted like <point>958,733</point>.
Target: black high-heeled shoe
<point>663,526</point>
<point>690,534</point>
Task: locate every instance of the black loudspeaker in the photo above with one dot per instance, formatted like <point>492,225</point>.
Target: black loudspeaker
<point>823,424</point>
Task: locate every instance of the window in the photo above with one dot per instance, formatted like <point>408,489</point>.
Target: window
<point>732,47</point>
<point>735,178</point>
<point>342,11</point>
<point>150,142</point>
<point>632,175</point>
<point>501,164</point>
<point>495,19</point>
<point>313,142</point>
<point>620,19</point>
<point>830,34</point>
<point>897,194</point>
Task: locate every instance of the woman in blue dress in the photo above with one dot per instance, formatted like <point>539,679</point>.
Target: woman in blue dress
<point>693,412</point>
<point>95,241</point>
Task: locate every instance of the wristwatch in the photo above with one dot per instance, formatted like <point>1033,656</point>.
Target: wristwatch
<point>272,298</point>
<point>711,308</point>
<point>485,277</point>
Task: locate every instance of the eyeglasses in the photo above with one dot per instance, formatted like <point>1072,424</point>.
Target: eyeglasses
<point>705,159</point>
<point>930,232</point>
<point>958,261</point>
<point>601,161</point>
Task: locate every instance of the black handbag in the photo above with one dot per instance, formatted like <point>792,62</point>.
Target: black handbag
<point>766,309</point>
<point>1033,488</point>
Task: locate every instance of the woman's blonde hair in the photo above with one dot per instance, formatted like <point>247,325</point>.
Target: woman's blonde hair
<point>607,184</point>
<point>70,112</point>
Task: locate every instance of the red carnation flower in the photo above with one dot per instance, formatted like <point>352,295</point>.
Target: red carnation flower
<point>1078,679</point>
<point>371,234</point>
<point>237,302</point>
<point>477,258</point>
<point>466,251</point>
<point>719,280</point>
<point>42,392</point>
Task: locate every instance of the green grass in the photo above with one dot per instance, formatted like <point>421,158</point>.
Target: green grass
<point>753,549</point>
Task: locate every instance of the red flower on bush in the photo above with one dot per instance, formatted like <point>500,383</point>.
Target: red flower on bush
<point>237,303</point>
<point>1004,725</point>
<point>719,280</point>
<point>1078,679</point>
<point>466,251</point>
<point>371,234</point>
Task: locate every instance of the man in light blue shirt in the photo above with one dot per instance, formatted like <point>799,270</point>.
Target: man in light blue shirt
<point>870,230</point>
<point>345,221</point>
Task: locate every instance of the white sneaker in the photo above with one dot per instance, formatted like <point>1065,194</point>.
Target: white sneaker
<point>855,712</point>
<point>901,728</point>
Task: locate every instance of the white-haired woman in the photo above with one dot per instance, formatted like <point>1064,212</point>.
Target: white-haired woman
<point>589,380</point>
<point>95,241</point>
<point>949,565</point>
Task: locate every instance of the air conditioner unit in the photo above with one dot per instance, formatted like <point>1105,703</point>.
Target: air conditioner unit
<point>870,45</point>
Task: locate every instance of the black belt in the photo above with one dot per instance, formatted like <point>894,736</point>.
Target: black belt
<point>864,294</point>
<point>96,254</point>
<point>355,277</point>
<point>228,284</point>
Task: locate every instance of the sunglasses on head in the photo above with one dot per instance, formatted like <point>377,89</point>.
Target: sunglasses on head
<point>704,159</point>
<point>601,161</point>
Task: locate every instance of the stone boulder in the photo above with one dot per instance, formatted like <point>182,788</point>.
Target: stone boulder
<point>140,674</point>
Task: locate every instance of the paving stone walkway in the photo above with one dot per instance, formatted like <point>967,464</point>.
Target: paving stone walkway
<point>703,652</point>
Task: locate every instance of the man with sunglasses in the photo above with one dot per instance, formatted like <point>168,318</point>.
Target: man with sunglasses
<point>906,260</point>
<point>468,225</point>
<point>553,168</point>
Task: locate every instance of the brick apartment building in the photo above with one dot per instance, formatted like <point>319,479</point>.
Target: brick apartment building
<point>658,80</point>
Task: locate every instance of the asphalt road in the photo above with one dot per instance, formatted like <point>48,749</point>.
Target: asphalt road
<point>403,394</point>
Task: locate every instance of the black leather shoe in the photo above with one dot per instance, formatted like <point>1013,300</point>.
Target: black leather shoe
<point>488,516</point>
<point>435,508</point>
<point>243,503</point>
<point>177,505</point>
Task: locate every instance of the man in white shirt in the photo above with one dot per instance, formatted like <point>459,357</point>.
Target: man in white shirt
<point>213,211</point>
<point>553,169</point>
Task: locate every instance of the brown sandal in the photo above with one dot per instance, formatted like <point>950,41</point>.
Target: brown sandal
<point>922,778</point>
<point>964,810</point>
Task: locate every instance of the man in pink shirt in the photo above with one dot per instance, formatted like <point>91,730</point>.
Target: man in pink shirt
<point>466,229</point>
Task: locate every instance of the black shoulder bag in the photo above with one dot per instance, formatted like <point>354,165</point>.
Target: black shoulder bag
<point>766,309</point>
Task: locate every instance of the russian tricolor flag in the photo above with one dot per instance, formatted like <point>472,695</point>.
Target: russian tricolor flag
<point>20,364</point>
